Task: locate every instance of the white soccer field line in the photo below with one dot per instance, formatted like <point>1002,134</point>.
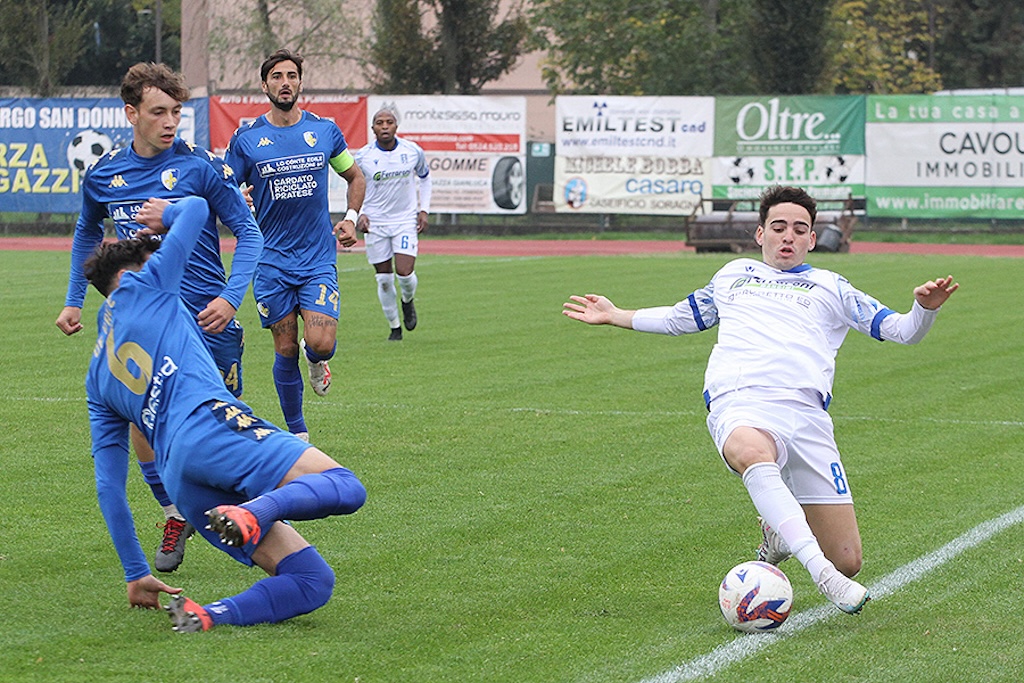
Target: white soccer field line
<point>568,411</point>
<point>742,647</point>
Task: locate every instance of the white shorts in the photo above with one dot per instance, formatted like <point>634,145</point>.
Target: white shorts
<point>384,241</point>
<point>803,434</point>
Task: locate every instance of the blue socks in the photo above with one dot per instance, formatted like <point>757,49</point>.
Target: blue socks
<point>316,358</point>
<point>149,473</point>
<point>288,380</point>
<point>312,496</point>
<point>304,582</point>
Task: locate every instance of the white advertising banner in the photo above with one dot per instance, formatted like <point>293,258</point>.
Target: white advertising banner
<point>945,156</point>
<point>475,146</point>
<point>644,155</point>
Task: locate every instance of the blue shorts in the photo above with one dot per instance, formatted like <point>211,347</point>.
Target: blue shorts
<point>227,348</point>
<point>225,455</point>
<point>279,293</point>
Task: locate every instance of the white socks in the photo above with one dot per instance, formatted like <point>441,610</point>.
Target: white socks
<point>781,511</point>
<point>388,298</point>
<point>407,283</point>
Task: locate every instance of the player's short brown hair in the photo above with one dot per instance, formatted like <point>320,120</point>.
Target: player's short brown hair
<point>149,75</point>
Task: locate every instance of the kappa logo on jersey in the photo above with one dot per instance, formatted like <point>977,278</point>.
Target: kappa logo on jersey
<point>169,178</point>
<point>310,138</point>
<point>118,181</point>
<point>264,142</point>
<point>227,171</point>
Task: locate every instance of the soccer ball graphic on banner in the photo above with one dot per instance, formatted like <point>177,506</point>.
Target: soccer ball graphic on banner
<point>755,597</point>
<point>87,147</point>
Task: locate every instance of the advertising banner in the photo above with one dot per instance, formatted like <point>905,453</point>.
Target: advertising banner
<point>348,111</point>
<point>815,142</point>
<point>945,156</point>
<point>642,155</point>
<point>475,147</point>
<point>46,145</point>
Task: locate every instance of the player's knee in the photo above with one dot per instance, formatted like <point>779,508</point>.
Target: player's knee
<point>351,494</point>
<point>313,577</point>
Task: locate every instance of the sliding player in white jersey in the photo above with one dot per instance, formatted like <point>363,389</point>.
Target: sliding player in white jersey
<point>768,382</point>
<point>394,212</point>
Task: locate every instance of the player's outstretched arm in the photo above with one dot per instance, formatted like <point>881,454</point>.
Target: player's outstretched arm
<point>145,592</point>
<point>934,293</point>
<point>594,309</point>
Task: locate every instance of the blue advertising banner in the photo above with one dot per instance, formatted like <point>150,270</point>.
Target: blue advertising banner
<point>46,145</point>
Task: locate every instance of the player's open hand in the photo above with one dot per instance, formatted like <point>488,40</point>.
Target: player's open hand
<point>934,293</point>
<point>592,309</point>
<point>145,592</point>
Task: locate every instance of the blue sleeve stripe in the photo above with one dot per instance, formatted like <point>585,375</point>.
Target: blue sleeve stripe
<point>876,323</point>
<point>696,313</point>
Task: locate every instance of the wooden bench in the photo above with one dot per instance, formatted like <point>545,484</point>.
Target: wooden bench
<point>717,225</point>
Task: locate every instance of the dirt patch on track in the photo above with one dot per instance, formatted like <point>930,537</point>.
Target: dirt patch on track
<point>498,247</point>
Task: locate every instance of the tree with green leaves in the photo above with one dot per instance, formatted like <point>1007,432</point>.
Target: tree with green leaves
<point>40,42</point>
<point>256,28</point>
<point>466,47</point>
<point>788,38</point>
<point>650,47</point>
<point>981,43</point>
<point>882,46</point>
<point>401,57</point>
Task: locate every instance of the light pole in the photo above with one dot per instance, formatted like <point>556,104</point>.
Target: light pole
<point>158,21</point>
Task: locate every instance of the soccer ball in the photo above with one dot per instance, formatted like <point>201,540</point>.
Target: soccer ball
<point>755,597</point>
<point>86,148</point>
<point>741,171</point>
<point>837,170</point>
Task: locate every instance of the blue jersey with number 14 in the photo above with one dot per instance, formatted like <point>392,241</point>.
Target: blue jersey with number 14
<point>289,170</point>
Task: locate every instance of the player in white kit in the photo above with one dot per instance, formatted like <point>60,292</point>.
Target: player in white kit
<point>769,379</point>
<point>394,213</point>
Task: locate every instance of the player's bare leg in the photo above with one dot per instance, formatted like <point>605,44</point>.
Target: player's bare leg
<point>319,340</point>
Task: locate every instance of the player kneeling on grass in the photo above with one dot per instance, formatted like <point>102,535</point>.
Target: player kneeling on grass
<point>234,476</point>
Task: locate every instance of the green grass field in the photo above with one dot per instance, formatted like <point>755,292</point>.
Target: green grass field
<point>545,504</point>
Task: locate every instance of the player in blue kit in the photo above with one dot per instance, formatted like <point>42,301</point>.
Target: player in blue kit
<point>768,382</point>
<point>286,156</point>
<point>394,214</point>
<point>158,164</point>
<point>233,475</point>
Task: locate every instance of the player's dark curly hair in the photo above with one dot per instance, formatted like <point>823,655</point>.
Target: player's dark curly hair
<point>110,257</point>
<point>281,55</point>
<point>781,194</point>
<point>149,75</point>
